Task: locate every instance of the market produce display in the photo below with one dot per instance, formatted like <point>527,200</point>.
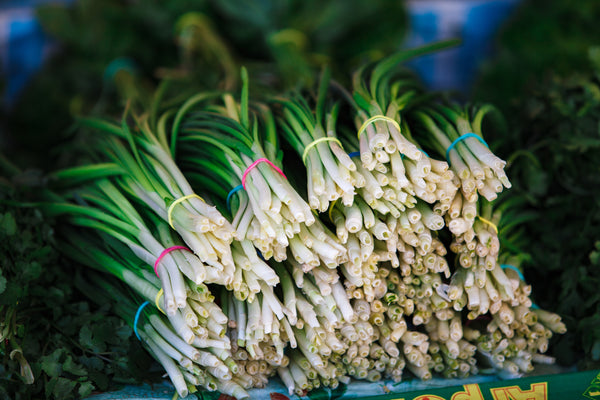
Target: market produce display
<point>391,268</point>
<point>275,199</point>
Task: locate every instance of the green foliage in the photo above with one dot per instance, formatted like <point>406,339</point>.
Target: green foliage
<point>55,345</point>
<point>112,51</point>
<point>555,142</point>
<point>541,38</point>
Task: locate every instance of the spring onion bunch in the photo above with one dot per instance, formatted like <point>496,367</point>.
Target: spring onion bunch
<point>103,207</point>
<point>237,143</point>
<point>456,133</point>
<point>332,175</point>
<point>149,173</point>
<point>518,332</point>
<point>310,312</point>
<point>382,95</point>
<point>190,344</point>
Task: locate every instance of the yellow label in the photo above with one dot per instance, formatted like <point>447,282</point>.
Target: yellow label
<point>472,392</point>
<point>593,391</point>
<point>538,391</point>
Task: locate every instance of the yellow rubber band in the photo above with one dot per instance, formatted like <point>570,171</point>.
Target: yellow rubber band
<point>331,209</point>
<point>377,118</point>
<point>157,299</point>
<point>179,200</point>
<point>490,223</point>
<point>319,140</point>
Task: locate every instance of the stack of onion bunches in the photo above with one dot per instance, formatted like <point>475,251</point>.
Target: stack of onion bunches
<point>362,256</point>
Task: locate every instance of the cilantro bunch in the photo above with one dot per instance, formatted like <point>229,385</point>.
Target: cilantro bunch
<point>55,344</point>
<point>554,167</point>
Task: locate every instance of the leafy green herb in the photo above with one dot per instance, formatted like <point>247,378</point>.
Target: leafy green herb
<point>555,145</point>
<point>524,59</point>
<point>42,316</point>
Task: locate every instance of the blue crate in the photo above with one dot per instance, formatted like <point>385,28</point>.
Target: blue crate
<point>23,44</point>
<point>474,22</point>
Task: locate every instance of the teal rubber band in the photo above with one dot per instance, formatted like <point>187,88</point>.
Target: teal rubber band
<point>423,151</point>
<point>231,193</point>
<point>506,266</point>
<point>137,317</point>
<point>461,138</point>
<point>118,64</point>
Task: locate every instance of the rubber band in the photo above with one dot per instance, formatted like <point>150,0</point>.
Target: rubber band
<point>254,164</point>
<point>377,118</point>
<point>331,209</point>
<point>160,293</point>
<point>424,152</point>
<point>490,223</point>
<point>354,154</point>
<point>315,142</point>
<point>179,200</point>
<point>506,266</point>
<point>137,317</point>
<point>461,138</point>
<point>231,193</point>
<point>164,253</point>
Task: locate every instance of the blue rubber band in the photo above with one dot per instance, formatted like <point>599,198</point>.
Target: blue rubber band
<point>137,317</point>
<point>461,138</point>
<point>505,266</point>
<point>231,193</point>
<point>423,151</point>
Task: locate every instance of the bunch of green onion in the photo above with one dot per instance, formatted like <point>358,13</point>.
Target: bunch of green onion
<point>237,143</point>
<point>190,343</point>
<point>402,270</point>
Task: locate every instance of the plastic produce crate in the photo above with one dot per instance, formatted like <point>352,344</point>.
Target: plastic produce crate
<point>553,386</point>
<point>474,22</point>
<point>23,44</point>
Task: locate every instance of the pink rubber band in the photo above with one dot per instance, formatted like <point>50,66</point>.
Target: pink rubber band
<point>254,164</point>
<point>164,253</point>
